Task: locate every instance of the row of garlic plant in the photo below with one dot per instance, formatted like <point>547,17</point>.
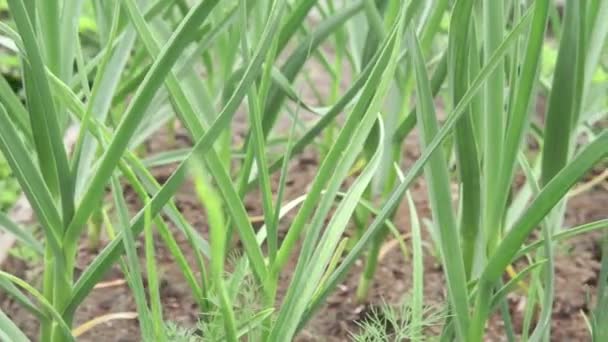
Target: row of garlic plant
<point>491,89</point>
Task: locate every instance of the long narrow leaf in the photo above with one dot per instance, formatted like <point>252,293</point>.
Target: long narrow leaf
<point>436,174</point>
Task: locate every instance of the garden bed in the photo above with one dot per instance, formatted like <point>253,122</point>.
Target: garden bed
<point>577,268</point>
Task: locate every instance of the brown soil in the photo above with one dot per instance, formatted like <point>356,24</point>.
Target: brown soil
<point>576,272</point>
